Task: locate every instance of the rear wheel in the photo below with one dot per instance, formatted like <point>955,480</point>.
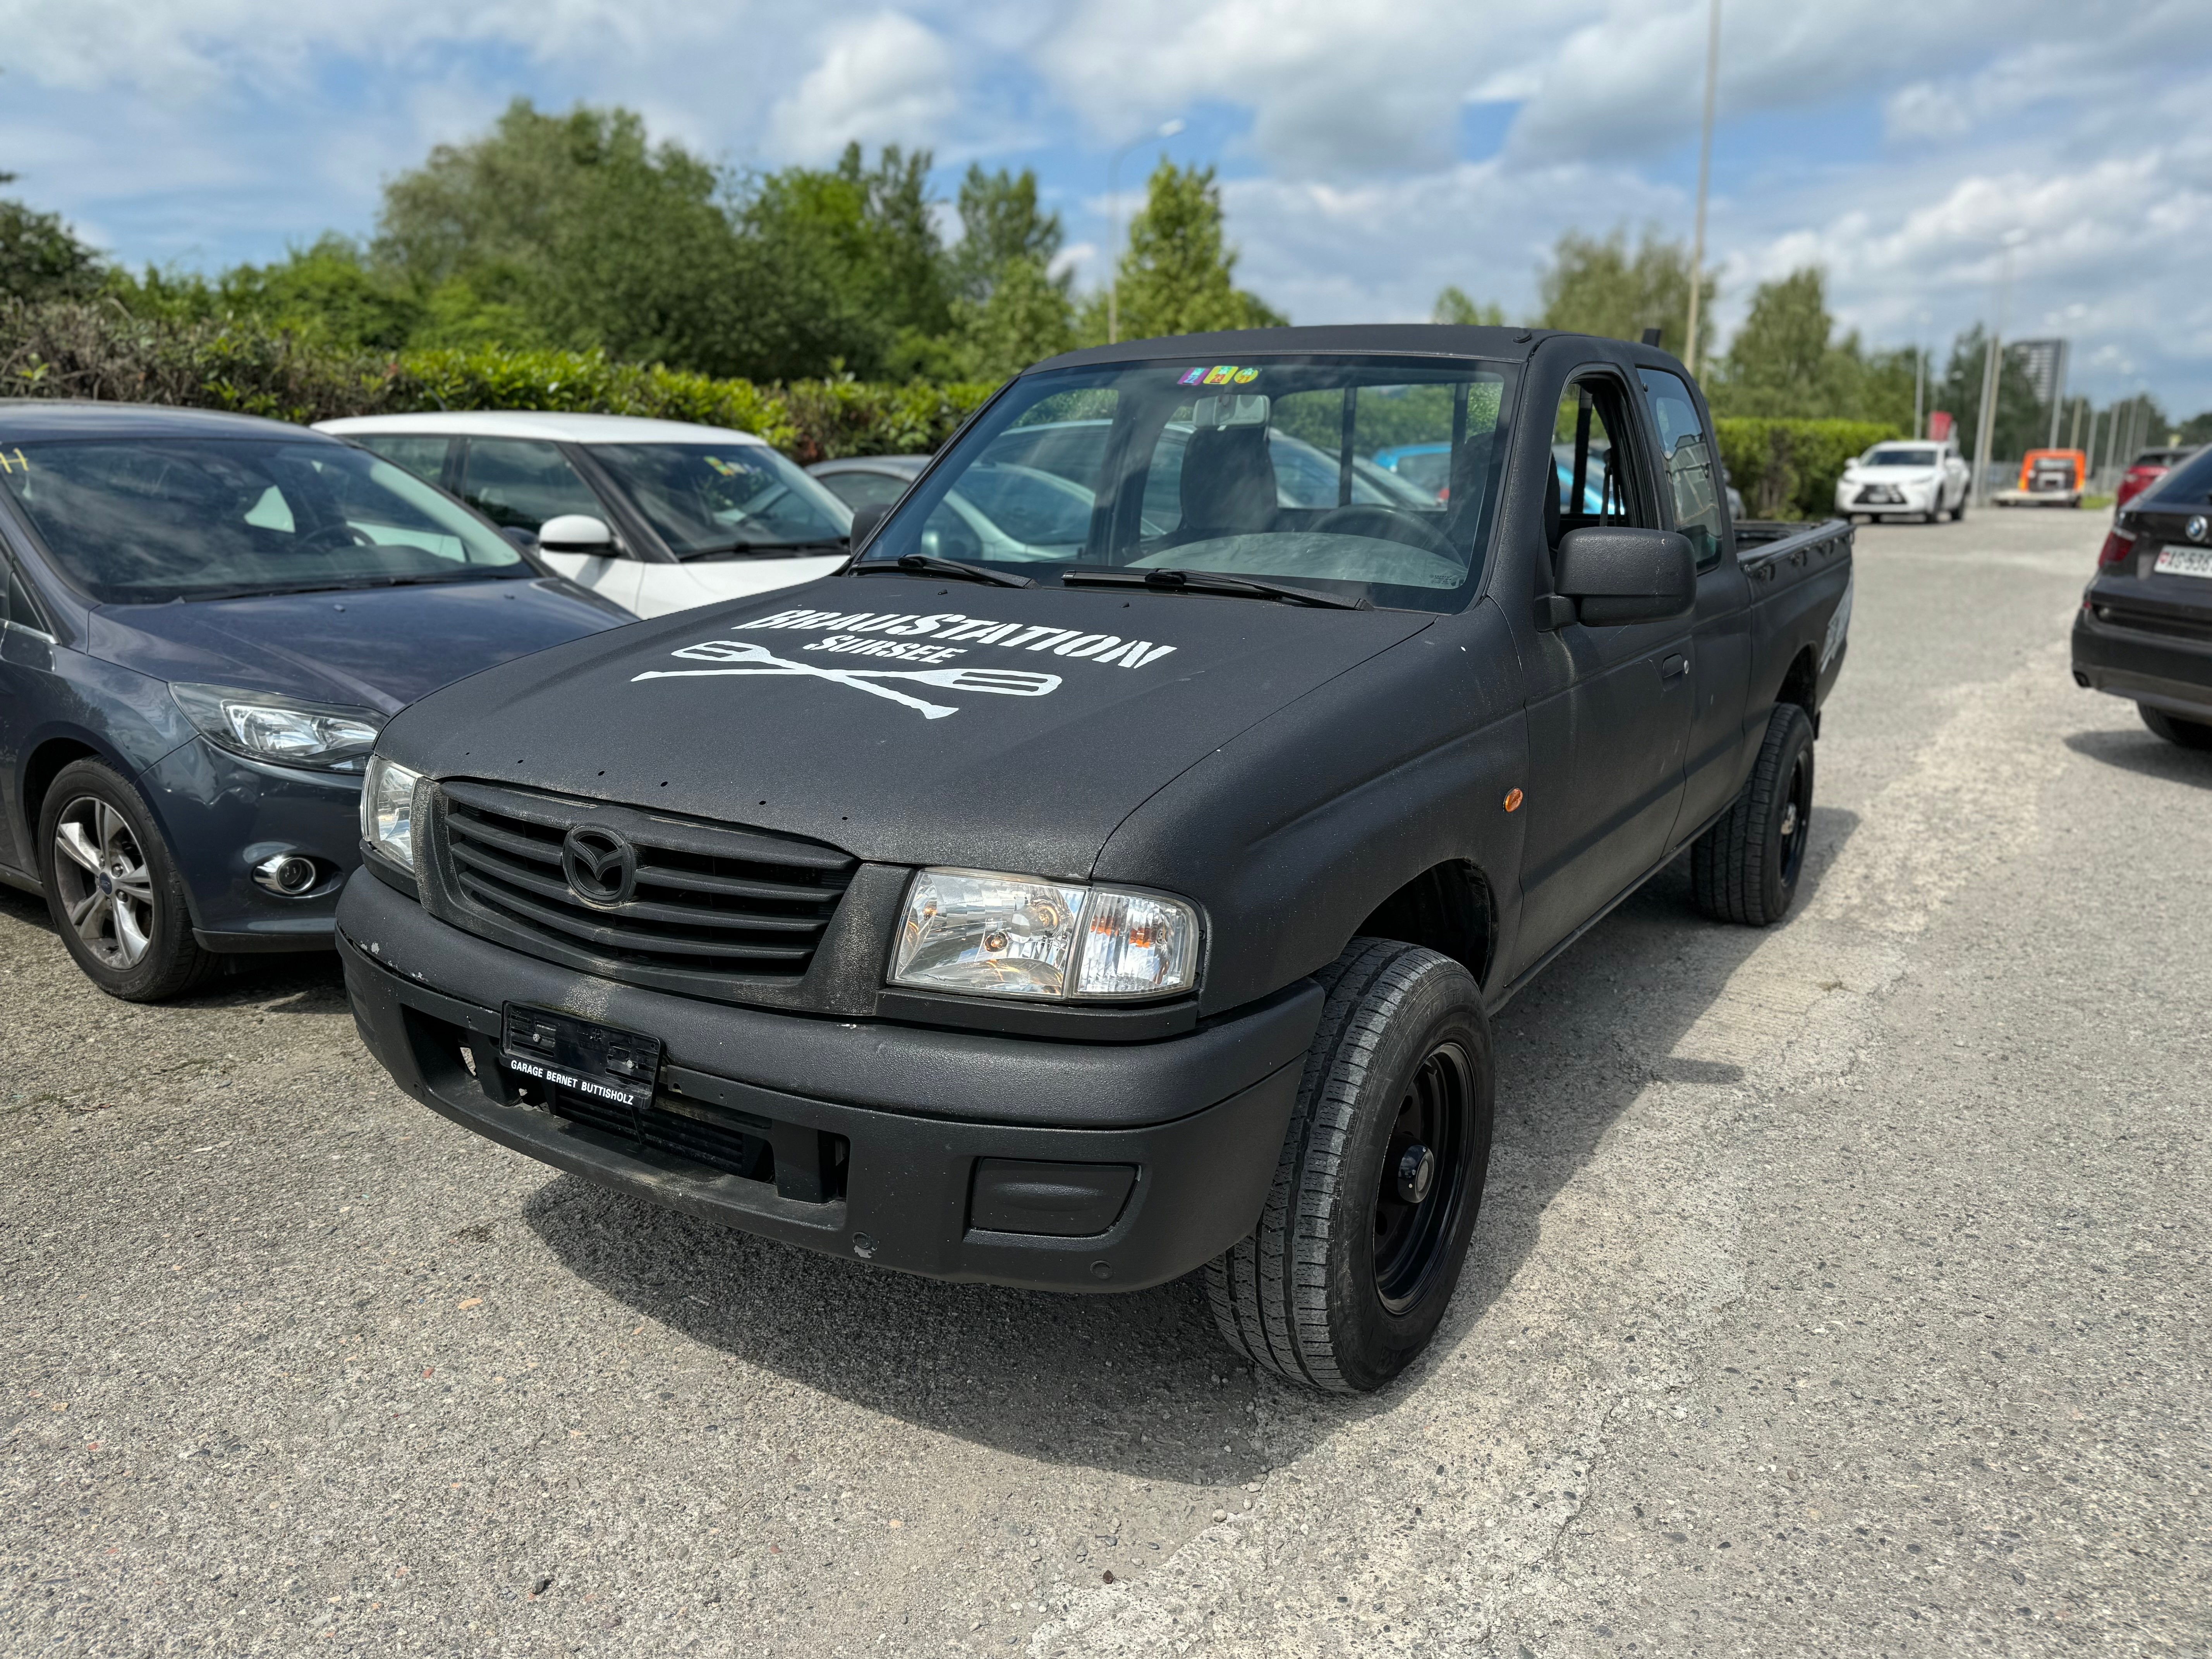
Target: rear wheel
<point>1745,868</point>
<point>1360,1245</point>
<point>113,890</point>
<point>2189,734</point>
<point>1959,511</point>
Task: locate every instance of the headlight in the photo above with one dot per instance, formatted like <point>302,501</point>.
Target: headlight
<point>388,812</point>
<point>264,727</point>
<point>984,934</point>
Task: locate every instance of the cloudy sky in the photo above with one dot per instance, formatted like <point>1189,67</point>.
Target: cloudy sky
<point>1372,152</point>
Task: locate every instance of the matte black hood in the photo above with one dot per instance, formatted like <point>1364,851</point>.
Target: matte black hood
<point>905,720</point>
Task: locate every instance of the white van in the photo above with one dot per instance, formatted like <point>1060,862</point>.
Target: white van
<point>657,515</point>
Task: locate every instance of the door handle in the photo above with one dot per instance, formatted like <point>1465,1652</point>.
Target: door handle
<point>1674,666</point>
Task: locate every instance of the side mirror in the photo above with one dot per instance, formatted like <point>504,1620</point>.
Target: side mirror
<point>576,532</point>
<point>865,520</point>
<point>1617,573</point>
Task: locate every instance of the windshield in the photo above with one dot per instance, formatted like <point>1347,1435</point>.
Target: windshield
<point>145,520</point>
<point>727,499</point>
<point>1901,458</point>
<point>1281,468</point>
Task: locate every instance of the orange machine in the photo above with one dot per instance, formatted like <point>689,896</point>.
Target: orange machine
<point>2048,478</point>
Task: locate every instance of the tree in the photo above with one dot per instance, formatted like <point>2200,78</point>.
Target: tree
<point>1009,310</point>
<point>1178,274</point>
<point>573,229</point>
<point>2196,430</point>
<point>1453,306</point>
<point>326,288</point>
<point>40,256</point>
<point>1595,286</point>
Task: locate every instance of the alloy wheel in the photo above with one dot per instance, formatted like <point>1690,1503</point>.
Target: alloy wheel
<point>106,889</point>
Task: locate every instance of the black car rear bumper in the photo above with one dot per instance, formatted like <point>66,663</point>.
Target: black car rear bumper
<point>2164,664</point>
<point>911,1147</point>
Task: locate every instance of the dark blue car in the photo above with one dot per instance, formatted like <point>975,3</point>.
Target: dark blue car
<point>207,619</point>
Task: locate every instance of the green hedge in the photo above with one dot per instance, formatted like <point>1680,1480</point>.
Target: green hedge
<point>1789,469</point>
<point>100,350</point>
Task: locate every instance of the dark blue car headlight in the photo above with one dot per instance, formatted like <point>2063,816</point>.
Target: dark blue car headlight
<point>282,731</point>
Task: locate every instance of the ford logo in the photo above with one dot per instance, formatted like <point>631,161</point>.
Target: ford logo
<point>600,864</point>
<point>2196,527</point>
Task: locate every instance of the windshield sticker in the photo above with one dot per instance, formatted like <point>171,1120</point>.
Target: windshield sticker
<point>921,641</point>
<point>20,461</point>
<point>1219,374</point>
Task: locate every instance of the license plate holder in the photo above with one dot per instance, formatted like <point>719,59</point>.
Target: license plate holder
<point>2183,562</point>
<point>601,1062</point>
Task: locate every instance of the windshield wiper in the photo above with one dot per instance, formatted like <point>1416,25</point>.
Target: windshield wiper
<point>763,549</point>
<point>1211,581</point>
<point>928,564</point>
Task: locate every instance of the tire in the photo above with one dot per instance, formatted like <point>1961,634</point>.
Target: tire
<point>1344,1279</point>
<point>113,890</point>
<point>2187,733</point>
<point>1745,868</point>
<point>1959,512</point>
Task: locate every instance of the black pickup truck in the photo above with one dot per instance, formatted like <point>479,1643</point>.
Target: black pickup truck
<point>1113,872</point>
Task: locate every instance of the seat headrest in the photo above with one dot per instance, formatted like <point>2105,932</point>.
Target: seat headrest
<point>1229,481</point>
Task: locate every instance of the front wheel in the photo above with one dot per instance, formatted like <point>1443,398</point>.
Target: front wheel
<point>2187,734</point>
<point>1356,1255</point>
<point>113,890</point>
<point>1745,868</point>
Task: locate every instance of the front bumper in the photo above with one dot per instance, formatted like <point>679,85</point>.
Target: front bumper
<point>1911,498</point>
<point>223,815</point>
<point>912,1114</point>
<point>2171,671</point>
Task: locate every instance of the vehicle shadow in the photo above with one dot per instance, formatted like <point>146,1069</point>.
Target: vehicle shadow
<point>2144,754</point>
<point>1084,1380</point>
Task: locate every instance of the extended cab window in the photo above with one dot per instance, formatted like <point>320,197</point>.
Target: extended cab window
<point>1278,467</point>
<point>1692,469</point>
<point>1595,480</point>
<point>518,483</point>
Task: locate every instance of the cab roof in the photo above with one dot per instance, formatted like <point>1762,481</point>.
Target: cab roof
<point>538,423</point>
<point>1381,339</point>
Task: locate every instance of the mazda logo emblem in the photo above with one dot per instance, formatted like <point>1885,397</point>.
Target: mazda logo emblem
<point>2196,528</point>
<point>600,865</point>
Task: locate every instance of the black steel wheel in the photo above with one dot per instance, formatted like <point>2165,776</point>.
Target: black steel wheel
<point>113,890</point>
<point>1360,1245</point>
<point>1745,868</point>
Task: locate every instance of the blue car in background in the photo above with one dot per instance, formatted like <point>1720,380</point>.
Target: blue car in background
<point>207,619</point>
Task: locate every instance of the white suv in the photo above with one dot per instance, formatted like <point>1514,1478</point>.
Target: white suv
<point>657,515</point>
<point>1906,476</point>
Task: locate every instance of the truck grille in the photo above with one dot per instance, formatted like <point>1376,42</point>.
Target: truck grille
<point>712,907</point>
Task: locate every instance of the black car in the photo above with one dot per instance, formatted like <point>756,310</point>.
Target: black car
<point>207,620</point>
<point>1137,900</point>
<point>2144,630</point>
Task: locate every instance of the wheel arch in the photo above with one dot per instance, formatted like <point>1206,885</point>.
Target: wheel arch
<point>1450,907</point>
<point>1801,683</point>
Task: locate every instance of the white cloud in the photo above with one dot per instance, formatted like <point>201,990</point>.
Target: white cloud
<point>888,79</point>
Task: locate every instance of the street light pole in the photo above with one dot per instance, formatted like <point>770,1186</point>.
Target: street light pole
<point>1166,129</point>
<point>1705,180</point>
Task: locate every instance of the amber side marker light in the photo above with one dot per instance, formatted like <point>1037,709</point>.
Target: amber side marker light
<point>1513,800</point>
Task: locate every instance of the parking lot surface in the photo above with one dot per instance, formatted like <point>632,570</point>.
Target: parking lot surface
<point>1840,1289</point>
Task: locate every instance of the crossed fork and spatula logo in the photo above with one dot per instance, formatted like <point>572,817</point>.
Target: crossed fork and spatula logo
<point>742,657</point>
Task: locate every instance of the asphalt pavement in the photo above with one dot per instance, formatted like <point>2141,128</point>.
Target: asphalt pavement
<point>1840,1288</point>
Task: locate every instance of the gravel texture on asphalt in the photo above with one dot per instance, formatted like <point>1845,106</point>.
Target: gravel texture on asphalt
<point>1840,1288</point>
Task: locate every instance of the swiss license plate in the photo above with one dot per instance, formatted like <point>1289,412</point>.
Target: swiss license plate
<point>599,1062</point>
<point>2183,562</point>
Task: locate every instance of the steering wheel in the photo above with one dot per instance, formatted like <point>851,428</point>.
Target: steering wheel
<point>331,533</point>
<point>1383,524</point>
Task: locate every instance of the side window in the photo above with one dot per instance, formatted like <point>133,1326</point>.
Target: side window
<point>16,605</point>
<point>424,457</point>
<point>518,483</point>
<point>1594,481</point>
<point>1692,468</point>
<point>860,490</point>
